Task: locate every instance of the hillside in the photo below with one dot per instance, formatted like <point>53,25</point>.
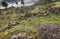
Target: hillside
<point>14,20</point>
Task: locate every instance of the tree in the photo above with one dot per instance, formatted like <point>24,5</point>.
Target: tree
<point>22,2</point>
<point>4,4</point>
<point>17,4</point>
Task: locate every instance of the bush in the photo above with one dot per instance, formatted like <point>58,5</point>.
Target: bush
<point>55,10</point>
<point>4,4</point>
<point>49,31</point>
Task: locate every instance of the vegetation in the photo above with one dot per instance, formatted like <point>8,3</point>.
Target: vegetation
<point>13,22</point>
<point>49,31</point>
<point>22,2</point>
<point>4,4</point>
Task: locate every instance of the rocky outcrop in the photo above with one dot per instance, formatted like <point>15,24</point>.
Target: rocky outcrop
<point>25,34</point>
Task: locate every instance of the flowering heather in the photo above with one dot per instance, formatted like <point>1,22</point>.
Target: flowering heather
<point>49,31</point>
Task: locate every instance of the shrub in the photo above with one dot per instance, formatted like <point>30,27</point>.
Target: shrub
<point>22,2</point>
<point>49,31</point>
<point>4,4</point>
<point>55,10</point>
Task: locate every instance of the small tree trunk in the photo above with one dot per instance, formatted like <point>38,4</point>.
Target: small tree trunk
<point>6,8</point>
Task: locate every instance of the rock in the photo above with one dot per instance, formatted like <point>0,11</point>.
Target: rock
<point>25,29</point>
<point>48,6</point>
<point>30,37</point>
<point>14,37</point>
<point>21,35</point>
<point>26,34</point>
<point>13,23</point>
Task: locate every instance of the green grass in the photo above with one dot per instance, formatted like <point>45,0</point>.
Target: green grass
<point>31,23</point>
<point>57,4</point>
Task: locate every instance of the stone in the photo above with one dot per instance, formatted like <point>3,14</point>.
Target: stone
<point>14,37</point>
<point>21,35</point>
<point>13,23</point>
<point>30,37</point>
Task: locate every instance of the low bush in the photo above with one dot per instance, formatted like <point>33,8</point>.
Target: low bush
<point>49,31</point>
<point>55,10</point>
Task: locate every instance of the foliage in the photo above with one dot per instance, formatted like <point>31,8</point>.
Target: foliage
<point>22,2</point>
<point>55,10</point>
<point>4,4</point>
<point>30,17</point>
<point>49,31</point>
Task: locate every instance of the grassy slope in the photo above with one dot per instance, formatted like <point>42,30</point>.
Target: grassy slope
<point>31,23</point>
